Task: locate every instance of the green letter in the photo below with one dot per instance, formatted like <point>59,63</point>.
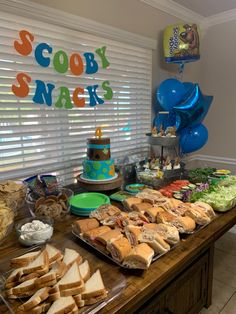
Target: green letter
<point>64,99</point>
<point>101,53</point>
<point>60,61</point>
<point>109,93</point>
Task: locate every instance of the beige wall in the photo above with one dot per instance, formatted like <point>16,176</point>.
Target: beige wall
<point>133,16</point>
<point>218,78</point>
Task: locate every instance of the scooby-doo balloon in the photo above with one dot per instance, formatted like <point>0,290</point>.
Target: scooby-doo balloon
<point>181,43</point>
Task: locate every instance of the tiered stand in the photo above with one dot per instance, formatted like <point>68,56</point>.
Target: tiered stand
<point>101,185</point>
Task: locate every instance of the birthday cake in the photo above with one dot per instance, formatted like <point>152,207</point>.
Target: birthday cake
<point>99,165</point>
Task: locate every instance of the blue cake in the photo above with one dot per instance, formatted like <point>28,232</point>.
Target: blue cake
<point>99,165</point>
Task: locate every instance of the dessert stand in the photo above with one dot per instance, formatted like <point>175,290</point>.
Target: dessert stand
<point>100,185</point>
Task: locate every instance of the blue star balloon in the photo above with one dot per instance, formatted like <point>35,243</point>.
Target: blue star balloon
<point>191,111</point>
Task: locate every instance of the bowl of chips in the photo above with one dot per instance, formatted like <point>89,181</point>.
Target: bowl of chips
<point>13,192</point>
<point>7,214</point>
<point>52,206</point>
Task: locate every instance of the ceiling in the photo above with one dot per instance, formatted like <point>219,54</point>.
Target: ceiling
<point>208,7</point>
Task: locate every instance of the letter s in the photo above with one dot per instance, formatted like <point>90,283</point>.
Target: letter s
<point>25,47</point>
<point>23,89</point>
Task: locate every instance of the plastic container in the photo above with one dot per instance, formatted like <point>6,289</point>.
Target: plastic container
<point>34,230</point>
<point>55,207</point>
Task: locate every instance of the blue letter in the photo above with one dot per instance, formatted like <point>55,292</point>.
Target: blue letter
<point>43,61</point>
<point>41,95</point>
<point>91,63</point>
<point>94,99</point>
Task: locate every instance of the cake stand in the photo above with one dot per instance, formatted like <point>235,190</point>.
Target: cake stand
<point>100,185</point>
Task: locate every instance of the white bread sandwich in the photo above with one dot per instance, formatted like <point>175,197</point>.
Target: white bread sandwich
<point>62,305</point>
<point>198,215</point>
<point>139,257</point>
<point>41,308</point>
<point>26,288</point>
<point>155,241</point>
<point>119,248</point>
<point>169,233</point>
<point>130,201</point>
<point>151,213</point>
<point>39,296</point>
<point>206,208</point>
<point>71,256</point>
<point>39,265</point>
<point>94,287</point>
<point>132,233</point>
<point>84,270</point>
<point>53,254</point>
<point>23,278</point>
<point>92,234</point>
<point>141,207</point>
<point>83,225</point>
<point>94,300</point>
<point>14,276</point>
<point>71,278</point>
<point>24,260</point>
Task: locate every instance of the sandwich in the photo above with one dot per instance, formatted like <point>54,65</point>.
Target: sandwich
<point>24,260</point>
<point>94,287</point>
<point>83,225</point>
<point>165,217</point>
<point>92,234</point>
<point>155,241</point>
<point>198,215</point>
<point>71,279</point>
<point>151,226</point>
<point>119,248</point>
<point>104,212</point>
<point>169,233</point>
<point>102,240</point>
<point>62,305</point>
<point>184,224</point>
<point>41,308</point>
<point>206,208</point>
<point>38,297</point>
<point>71,256</point>
<point>39,265</point>
<point>151,213</point>
<point>25,289</point>
<point>130,201</point>
<point>139,257</point>
<point>132,233</point>
<point>141,207</point>
<point>53,254</point>
<point>84,270</point>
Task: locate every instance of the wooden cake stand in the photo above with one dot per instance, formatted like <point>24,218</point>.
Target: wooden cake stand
<point>102,185</point>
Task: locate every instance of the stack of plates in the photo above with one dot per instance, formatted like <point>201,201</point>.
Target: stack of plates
<point>82,204</point>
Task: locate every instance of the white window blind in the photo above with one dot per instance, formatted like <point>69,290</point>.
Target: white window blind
<point>36,138</point>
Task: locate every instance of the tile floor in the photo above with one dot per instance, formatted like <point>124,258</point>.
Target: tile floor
<point>224,276</point>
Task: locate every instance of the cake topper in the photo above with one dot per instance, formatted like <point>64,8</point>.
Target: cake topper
<point>98,132</point>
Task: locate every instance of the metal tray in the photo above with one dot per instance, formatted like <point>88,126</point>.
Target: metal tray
<point>113,283</point>
<point>80,237</point>
<point>162,141</point>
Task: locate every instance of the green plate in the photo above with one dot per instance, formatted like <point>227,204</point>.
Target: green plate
<point>120,196</point>
<point>88,201</point>
<point>135,188</point>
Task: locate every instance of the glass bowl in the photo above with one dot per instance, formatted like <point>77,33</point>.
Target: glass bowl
<point>55,207</point>
<point>34,230</point>
<point>7,214</point>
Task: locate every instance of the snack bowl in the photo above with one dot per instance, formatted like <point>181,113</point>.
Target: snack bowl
<point>34,230</point>
<point>8,209</point>
<point>52,206</point>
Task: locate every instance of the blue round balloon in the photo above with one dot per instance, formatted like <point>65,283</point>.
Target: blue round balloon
<point>170,93</point>
<point>193,138</point>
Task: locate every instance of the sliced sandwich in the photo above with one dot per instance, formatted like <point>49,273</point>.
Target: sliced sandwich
<point>155,241</point>
<point>169,233</point>
<point>184,224</point>
<point>130,201</point>
<point>151,213</point>
<point>102,239</point>
<point>84,270</point>
<point>206,208</point>
<point>119,248</point>
<point>94,287</point>
<point>35,300</point>
<point>83,225</point>
<point>25,259</point>
<point>53,254</point>
<point>165,217</point>
<point>62,305</point>
<point>71,256</point>
<point>139,257</point>
<point>198,215</point>
<point>71,278</point>
<point>132,233</point>
<point>39,265</point>
<point>26,288</point>
<point>92,234</point>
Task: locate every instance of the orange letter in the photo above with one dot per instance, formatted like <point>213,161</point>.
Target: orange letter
<point>79,102</point>
<point>25,47</point>
<point>76,64</point>
<point>23,89</point>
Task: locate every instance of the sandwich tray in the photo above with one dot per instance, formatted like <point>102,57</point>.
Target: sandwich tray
<point>113,283</point>
<point>104,253</point>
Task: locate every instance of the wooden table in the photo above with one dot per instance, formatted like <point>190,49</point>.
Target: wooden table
<point>179,282</point>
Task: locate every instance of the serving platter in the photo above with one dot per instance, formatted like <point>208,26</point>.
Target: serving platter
<point>113,283</point>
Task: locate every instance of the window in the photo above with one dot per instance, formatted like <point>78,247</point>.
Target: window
<point>37,138</point>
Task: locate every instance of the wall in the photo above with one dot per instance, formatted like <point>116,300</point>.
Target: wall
<point>218,78</point>
<point>133,16</point>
